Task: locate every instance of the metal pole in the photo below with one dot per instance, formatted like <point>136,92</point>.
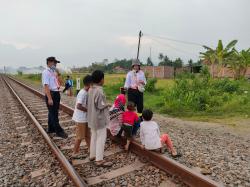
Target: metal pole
<point>140,35</point>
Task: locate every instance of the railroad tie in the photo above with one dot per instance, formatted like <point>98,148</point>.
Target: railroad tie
<point>39,173</point>
<point>106,154</point>
<point>115,173</point>
<point>70,147</point>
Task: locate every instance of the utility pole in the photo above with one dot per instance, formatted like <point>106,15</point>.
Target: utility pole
<point>140,35</point>
<point>150,53</point>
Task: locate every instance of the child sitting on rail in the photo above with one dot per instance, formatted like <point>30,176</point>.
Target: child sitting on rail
<point>116,112</point>
<point>129,119</point>
<point>80,116</point>
<point>150,135</point>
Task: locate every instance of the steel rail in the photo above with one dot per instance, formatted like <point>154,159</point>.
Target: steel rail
<point>74,176</point>
<point>187,175</point>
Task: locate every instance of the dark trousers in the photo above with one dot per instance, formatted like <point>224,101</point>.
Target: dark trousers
<point>136,97</point>
<point>53,121</point>
<point>67,86</point>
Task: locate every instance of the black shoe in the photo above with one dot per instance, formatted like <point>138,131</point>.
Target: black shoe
<point>50,131</point>
<point>62,134</point>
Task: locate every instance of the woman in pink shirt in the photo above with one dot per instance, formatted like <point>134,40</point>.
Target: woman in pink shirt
<point>116,112</point>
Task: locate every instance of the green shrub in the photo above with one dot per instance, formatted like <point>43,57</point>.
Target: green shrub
<point>203,94</point>
<point>150,86</point>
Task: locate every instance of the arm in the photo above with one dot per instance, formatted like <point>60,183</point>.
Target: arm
<point>80,107</point>
<point>47,92</point>
<point>158,130</point>
<point>143,81</point>
<point>45,82</point>
<point>127,81</point>
<point>142,136</point>
<point>100,102</point>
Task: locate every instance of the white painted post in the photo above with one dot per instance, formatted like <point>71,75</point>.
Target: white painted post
<point>78,85</point>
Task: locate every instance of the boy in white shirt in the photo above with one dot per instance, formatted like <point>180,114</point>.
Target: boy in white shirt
<point>150,134</point>
<point>80,115</point>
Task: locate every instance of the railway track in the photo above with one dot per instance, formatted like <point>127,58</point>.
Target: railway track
<point>137,168</point>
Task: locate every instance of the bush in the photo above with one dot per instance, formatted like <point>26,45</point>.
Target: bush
<point>19,73</point>
<point>203,94</point>
<point>226,85</point>
<point>150,86</point>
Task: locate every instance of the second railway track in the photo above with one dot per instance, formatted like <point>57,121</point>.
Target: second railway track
<point>128,169</point>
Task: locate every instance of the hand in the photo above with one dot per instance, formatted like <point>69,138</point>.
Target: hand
<point>141,82</point>
<point>143,147</point>
<point>50,102</point>
<point>109,105</point>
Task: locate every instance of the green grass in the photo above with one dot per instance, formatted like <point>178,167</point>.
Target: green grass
<point>237,107</point>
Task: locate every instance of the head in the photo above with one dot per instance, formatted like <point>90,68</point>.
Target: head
<point>131,106</point>
<point>87,81</point>
<point>52,62</point>
<point>98,77</point>
<point>136,64</point>
<point>147,115</point>
<point>67,76</point>
<point>122,91</point>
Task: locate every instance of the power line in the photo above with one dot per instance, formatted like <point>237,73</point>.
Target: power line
<point>174,40</point>
<point>174,48</point>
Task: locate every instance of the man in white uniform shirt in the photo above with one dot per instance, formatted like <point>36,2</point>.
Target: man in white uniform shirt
<point>52,97</point>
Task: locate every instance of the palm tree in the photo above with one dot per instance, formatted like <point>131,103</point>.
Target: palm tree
<point>161,57</point>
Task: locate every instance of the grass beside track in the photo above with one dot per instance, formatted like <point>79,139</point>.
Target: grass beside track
<point>230,113</point>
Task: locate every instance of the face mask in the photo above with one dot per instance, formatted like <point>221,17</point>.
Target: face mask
<point>53,67</point>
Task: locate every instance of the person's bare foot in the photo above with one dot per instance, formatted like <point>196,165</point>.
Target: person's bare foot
<point>77,155</point>
<point>126,147</point>
<point>174,153</point>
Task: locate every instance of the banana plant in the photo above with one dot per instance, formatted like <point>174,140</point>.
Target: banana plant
<point>209,58</point>
<point>218,56</point>
<point>222,54</point>
<point>239,63</point>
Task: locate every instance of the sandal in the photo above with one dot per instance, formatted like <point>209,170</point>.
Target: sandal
<point>103,164</point>
<point>76,155</point>
<point>92,159</point>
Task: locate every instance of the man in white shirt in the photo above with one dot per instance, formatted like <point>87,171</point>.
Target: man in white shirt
<point>52,97</point>
<point>135,82</point>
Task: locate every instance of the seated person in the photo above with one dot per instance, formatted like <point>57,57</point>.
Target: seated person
<point>116,112</point>
<point>129,119</point>
<point>150,135</point>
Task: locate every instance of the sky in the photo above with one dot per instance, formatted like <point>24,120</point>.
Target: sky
<point>80,32</point>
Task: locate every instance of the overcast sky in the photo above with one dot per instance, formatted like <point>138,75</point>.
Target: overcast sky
<point>79,32</point>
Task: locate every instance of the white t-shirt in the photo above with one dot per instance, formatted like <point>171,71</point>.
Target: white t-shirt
<point>150,135</point>
<point>80,116</point>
